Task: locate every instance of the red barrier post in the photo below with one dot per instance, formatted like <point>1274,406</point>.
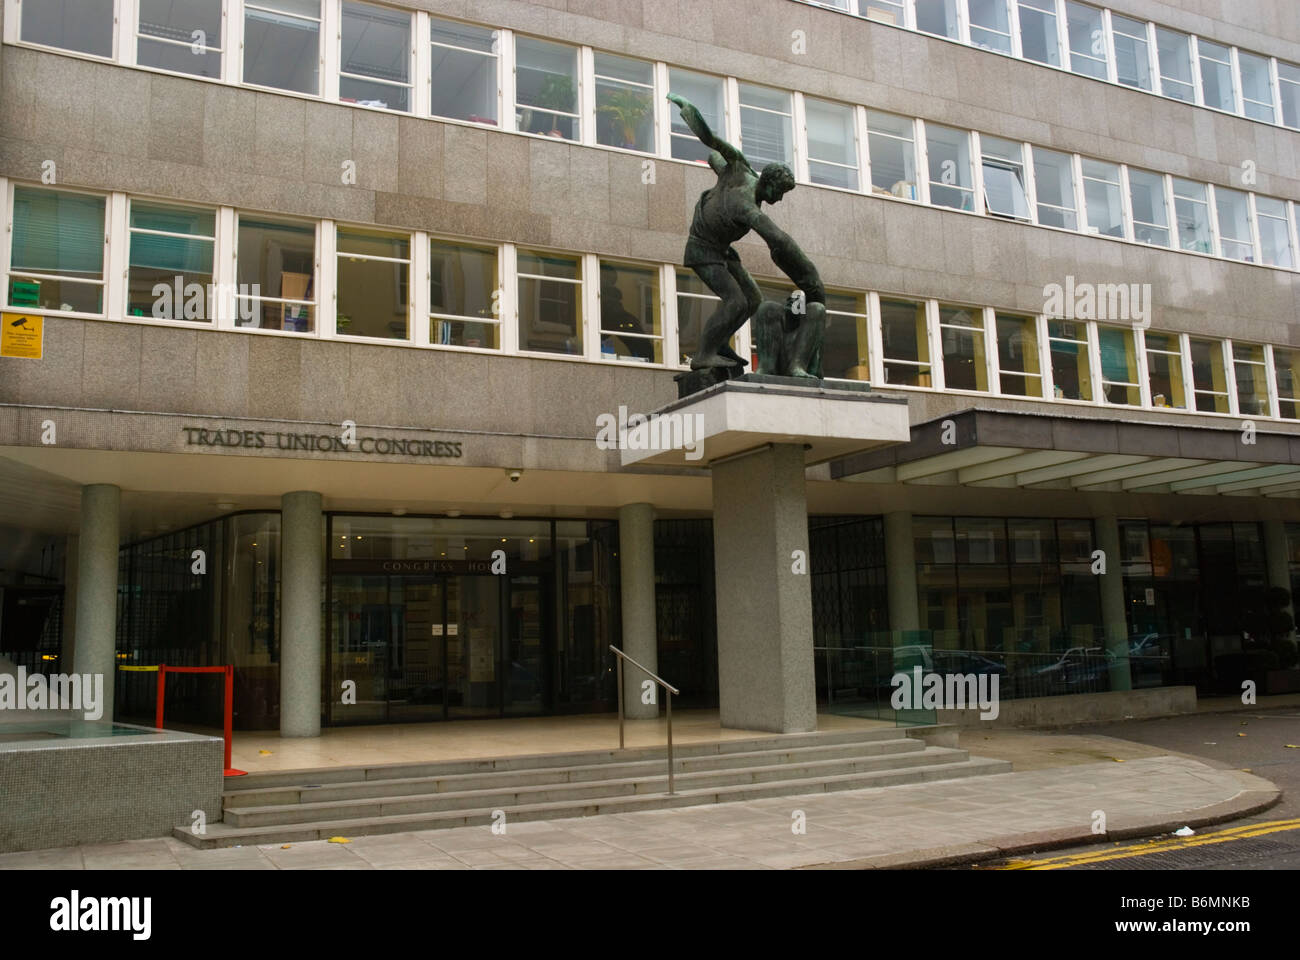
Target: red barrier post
<point>162,692</point>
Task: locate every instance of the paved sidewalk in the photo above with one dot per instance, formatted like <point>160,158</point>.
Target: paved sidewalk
<point>921,825</point>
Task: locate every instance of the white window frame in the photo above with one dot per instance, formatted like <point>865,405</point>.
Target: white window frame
<point>325,277</point>
<point>656,100</point>
<point>131,48</point>
<point>13,35</point>
<point>593,269</point>
<point>214,302</point>
<point>582,301</point>
<point>1139,363</point>
<point>337,74</point>
<point>580,94</point>
<point>426,240</point>
<point>980,332</point>
<point>1181,354</point>
<point>113,262</point>
<point>326,53</point>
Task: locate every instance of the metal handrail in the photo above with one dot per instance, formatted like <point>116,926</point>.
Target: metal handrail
<point>668,688</point>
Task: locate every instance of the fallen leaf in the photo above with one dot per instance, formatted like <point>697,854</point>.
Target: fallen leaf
<point>1241,734</point>
<point>286,846</point>
<point>264,753</point>
<point>1292,746</point>
<point>338,840</point>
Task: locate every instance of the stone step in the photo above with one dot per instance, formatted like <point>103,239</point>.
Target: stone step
<point>555,792</point>
<point>225,835</point>
<point>268,796</point>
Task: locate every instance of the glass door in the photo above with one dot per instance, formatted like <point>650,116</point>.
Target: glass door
<point>415,670</point>
<point>471,639</point>
<point>362,629</point>
<point>524,658</point>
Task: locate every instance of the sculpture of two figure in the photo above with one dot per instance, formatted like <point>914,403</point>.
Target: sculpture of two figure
<point>788,337</point>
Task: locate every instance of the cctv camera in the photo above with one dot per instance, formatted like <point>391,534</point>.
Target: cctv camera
<point>514,475</point>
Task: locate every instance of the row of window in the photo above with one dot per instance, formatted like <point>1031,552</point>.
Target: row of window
<point>1105,45</point>
<point>826,143</point>
<point>118,257</point>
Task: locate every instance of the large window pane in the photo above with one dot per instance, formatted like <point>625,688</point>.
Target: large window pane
<point>276,272</point>
<point>1216,76</point>
<point>1175,52</point>
<point>882,11</point>
<point>375,64</point>
<point>1150,212</point>
<point>1193,212</point>
<point>1256,86</point>
<point>374,274</point>
<point>1020,371</point>
<point>1132,52</point>
<point>1004,178</point>
<point>1068,343</point>
<point>1165,369</point>
<point>950,169</point>
<point>630,324</point>
<point>1252,379</point>
<point>893,155</point>
<point>1286,368</point>
<point>1274,232</point>
<point>832,146</point>
<point>1038,37</point>
<point>1209,376</point>
<point>1235,240</point>
<point>282,44</point>
<point>463,300</point>
<point>57,261</point>
<point>1288,77</point>
<point>1087,40</point>
<point>961,335</point>
<point>938,17</point>
<point>844,348</point>
<point>464,78</point>
<point>1101,192</point>
<point>82,25</point>
<point>708,94</point>
<point>170,272</point>
<point>550,303</point>
<point>1054,180</point>
<point>990,26</point>
<point>625,114</point>
<point>546,88</point>
<point>1119,367</point>
<point>180,35</point>
<point>765,126</point>
<point>906,342</point>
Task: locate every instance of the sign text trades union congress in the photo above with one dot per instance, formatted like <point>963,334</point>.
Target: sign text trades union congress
<point>322,442</point>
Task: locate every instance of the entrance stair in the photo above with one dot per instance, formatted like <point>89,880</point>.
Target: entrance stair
<point>393,798</point>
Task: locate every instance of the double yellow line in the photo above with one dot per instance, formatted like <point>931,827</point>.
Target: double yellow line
<point>1151,847</point>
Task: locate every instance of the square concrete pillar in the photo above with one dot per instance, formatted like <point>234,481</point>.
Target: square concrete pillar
<point>765,633</point>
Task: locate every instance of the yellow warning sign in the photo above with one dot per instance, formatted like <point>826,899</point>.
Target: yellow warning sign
<point>21,335</point>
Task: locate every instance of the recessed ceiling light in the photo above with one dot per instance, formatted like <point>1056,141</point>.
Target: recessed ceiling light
<point>224,505</point>
<point>399,511</point>
<point>506,514</point>
<point>453,513</point>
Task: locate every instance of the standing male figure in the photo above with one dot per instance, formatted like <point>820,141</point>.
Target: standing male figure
<point>725,213</point>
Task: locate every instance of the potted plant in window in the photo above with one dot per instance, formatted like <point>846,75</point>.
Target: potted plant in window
<point>556,94</point>
<point>625,110</point>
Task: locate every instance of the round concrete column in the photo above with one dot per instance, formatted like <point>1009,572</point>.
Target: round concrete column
<point>96,617</point>
<point>636,556</point>
<point>301,560</point>
<point>900,576</point>
<point>1114,615</point>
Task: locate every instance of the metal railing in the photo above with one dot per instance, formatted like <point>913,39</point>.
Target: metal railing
<point>669,689</point>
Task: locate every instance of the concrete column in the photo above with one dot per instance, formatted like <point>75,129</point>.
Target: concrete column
<point>301,561</point>
<point>636,558</point>
<point>67,657</point>
<point>900,575</point>
<point>765,634</point>
<point>1113,612</point>
<point>96,616</point>
<point>1277,558</point>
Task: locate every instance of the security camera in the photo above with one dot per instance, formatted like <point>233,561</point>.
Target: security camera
<point>514,475</point>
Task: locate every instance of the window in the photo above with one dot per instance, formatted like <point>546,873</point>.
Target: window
<point>893,155</point>
<point>464,72</point>
<point>463,304</point>
<point>906,342</point>
<point>1087,40</point>
<point>1252,379</point>
<point>1286,369</point>
<point>550,303</point>
<point>1209,376</point>
<point>1054,184</point>
<point>1165,370</point>
<point>707,93</point>
<point>882,11</point>
<point>631,327</point>
<point>169,276</point>
<point>765,126</point>
<point>625,103</point>
<point>183,36</point>
<point>1288,77</point>
<point>832,144</point>
<point>57,261</point>
<point>1193,213</point>
<point>950,170</point>
<point>276,272</point>
<point>375,59</point>
<point>1216,76</point>
<point>1150,212</point>
<point>282,44</point>
<point>546,88</point>
<point>1119,366</point>
<point>1132,52</point>
<point>844,348</point>
<point>1068,344</point>
<point>990,26</point>
<point>1274,232</point>
<point>1020,373</point>
<point>1175,52</point>
<point>1256,86</point>
<point>1004,178</point>
<point>961,335</point>
<point>1038,37</point>
<point>695,304</point>
<point>374,273</point>
<point>1235,239</point>
<point>85,26</point>
<point>938,17</point>
<point>1102,197</point>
